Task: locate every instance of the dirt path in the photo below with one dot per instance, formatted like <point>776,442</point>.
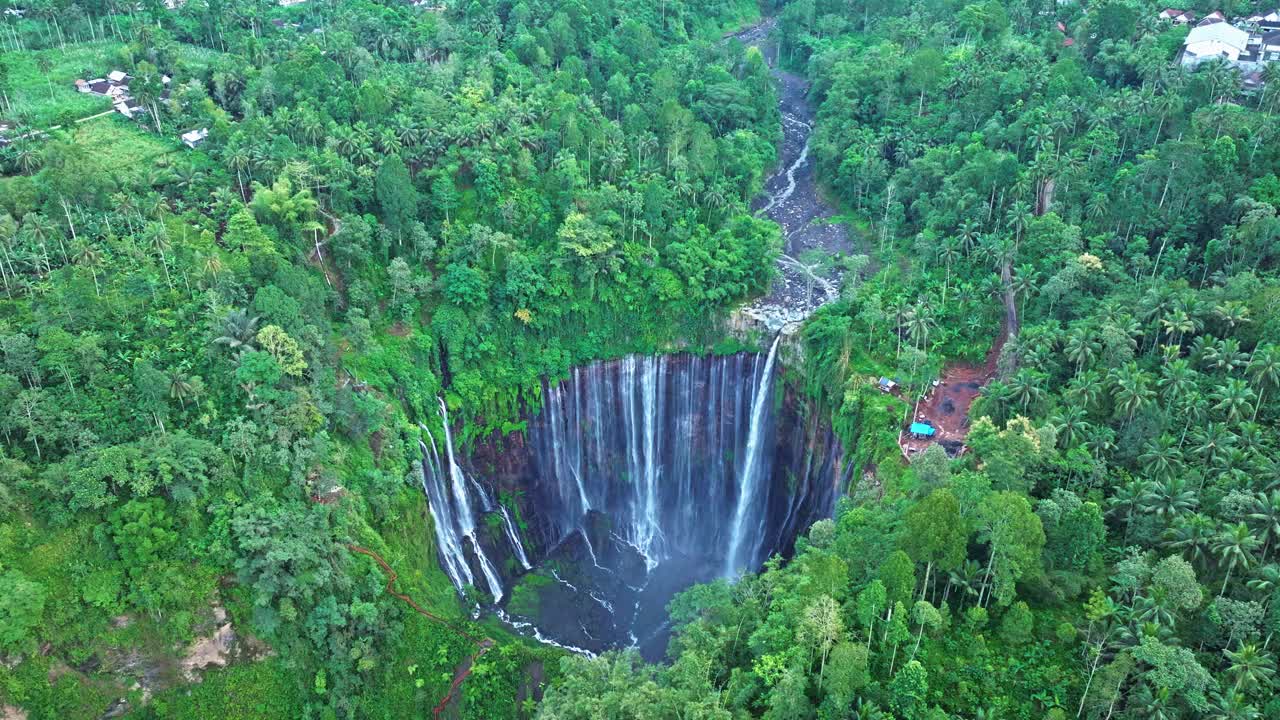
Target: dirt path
<point>318,258</point>
<point>463,670</point>
<point>808,271</point>
<point>459,675</point>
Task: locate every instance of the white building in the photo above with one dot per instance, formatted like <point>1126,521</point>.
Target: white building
<point>1217,40</point>
<point>194,138</point>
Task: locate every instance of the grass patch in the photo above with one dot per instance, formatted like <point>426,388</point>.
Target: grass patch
<point>526,596</point>
<point>43,99</point>
<point>127,149</point>
<point>264,689</point>
<point>69,696</point>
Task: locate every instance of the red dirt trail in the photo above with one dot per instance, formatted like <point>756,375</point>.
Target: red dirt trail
<point>464,668</point>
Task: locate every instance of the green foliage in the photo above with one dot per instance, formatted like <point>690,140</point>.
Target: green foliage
<point>21,605</point>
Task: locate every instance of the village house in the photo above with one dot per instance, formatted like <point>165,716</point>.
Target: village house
<point>1177,17</point>
<point>116,86</point>
<point>1215,41</point>
<point>195,138</point>
<point>1249,44</point>
<point>1214,17</point>
<point>1265,23</point>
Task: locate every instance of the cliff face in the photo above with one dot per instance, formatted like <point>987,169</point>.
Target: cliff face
<point>637,478</point>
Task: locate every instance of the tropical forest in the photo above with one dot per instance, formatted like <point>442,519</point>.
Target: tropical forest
<point>639,359</point>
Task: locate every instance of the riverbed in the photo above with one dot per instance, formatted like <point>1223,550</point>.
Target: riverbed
<point>810,268</point>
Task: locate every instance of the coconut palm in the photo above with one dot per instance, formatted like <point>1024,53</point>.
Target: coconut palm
<point>1127,501</point>
<point>181,386</point>
<point>1177,324</point>
<point>1232,313</point>
<point>1101,440</point>
<point>1210,440</point>
<point>1266,515</point>
<point>1177,380</point>
<point>1169,498</point>
<point>968,234</point>
<point>1131,388</point>
<point>1250,667</point>
<point>1070,425</point>
<point>1025,387</point>
<point>948,252</point>
<point>1235,546</point>
<point>1265,580</point>
<point>1085,389</point>
<point>1161,458</point>
<point>1192,535</point>
<point>1232,705</point>
<point>91,257</point>
<point>1223,356</point>
<point>1234,399</point>
<point>239,330</point>
<point>1264,369</point>
<point>1081,347</point>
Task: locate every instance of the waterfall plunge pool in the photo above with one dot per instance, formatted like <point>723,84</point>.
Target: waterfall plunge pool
<point>637,478</point>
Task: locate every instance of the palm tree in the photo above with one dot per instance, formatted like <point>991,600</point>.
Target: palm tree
<point>965,578</point>
<point>212,265</point>
<point>1264,366</point>
<point>1169,498</point>
<point>1250,667</point>
<point>948,252</point>
<point>1070,425</point>
<point>1266,512</point>
<point>1235,546</point>
<point>187,176</point>
<point>1265,580</point>
<point>1211,440</point>
<point>1223,355</point>
<point>1161,458</point>
<point>1085,388</point>
<point>1192,535</point>
<point>1101,440</point>
<point>1127,501</point>
<point>919,322</point>
<point>1177,379</point>
<point>1232,313</point>
<point>158,238</point>
<point>26,157</point>
<point>968,234</point>
<point>1131,389</point>
<point>239,160</point>
<point>91,257</point>
<point>1177,324</point>
<point>1024,387</point>
<point>1233,399</point>
<point>181,386</point>
<point>239,330</point>
<point>1025,280</point>
<point>1081,347</point>
<point>1232,705</point>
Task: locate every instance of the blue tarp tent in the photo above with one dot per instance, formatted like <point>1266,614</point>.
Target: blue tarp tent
<point>922,429</point>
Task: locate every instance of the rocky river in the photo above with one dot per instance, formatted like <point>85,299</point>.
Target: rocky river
<point>810,268</point>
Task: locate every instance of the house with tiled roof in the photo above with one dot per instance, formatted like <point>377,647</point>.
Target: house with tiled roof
<point>1212,18</point>
<point>1177,17</point>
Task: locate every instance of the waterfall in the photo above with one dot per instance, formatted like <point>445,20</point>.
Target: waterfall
<point>749,476</point>
<point>673,450</point>
<point>513,537</point>
<point>455,520</point>
<point>638,477</point>
<point>448,538</point>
